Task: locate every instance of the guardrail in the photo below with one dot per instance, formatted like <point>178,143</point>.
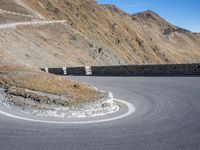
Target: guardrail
<point>36,22</point>
<point>12,25</point>
<point>130,70</point>
<point>2,11</point>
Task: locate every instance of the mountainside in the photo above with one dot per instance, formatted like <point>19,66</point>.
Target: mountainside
<point>93,35</point>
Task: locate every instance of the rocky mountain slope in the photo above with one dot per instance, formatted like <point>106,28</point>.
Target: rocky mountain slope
<point>93,35</point>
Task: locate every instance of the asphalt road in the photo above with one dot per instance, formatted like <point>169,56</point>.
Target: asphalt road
<point>167,117</point>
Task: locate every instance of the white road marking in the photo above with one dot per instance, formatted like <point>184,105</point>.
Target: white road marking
<point>131,109</point>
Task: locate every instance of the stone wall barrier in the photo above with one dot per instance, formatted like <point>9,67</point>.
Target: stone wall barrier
<point>57,71</point>
<point>147,70</point>
<point>76,71</point>
<point>130,70</point>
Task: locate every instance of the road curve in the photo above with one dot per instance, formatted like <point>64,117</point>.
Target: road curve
<point>42,22</point>
<point>167,117</point>
<point>38,21</point>
<point>2,11</point>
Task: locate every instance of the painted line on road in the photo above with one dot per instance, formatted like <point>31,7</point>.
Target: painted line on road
<point>131,109</point>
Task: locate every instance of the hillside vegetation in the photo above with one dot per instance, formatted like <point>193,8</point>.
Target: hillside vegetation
<point>43,88</point>
<point>93,35</point>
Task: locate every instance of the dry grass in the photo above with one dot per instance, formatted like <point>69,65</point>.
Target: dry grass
<point>123,38</point>
<point>5,68</point>
<point>29,79</point>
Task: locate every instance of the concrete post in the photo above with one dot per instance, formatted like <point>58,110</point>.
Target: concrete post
<point>46,70</point>
<point>64,70</point>
<point>88,70</point>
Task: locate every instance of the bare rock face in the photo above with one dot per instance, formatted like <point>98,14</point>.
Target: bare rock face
<point>169,30</point>
<point>93,35</point>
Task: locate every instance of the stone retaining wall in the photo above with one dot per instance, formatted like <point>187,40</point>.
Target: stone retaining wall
<point>66,71</point>
<point>76,71</point>
<point>58,71</point>
<point>131,70</point>
<point>148,70</point>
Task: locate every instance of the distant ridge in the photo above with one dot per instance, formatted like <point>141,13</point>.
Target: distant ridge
<point>93,35</point>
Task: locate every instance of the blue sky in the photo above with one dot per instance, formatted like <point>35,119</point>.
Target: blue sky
<point>183,13</point>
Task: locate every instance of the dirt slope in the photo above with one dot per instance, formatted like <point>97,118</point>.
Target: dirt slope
<point>39,87</point>
<point>94,35</point>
